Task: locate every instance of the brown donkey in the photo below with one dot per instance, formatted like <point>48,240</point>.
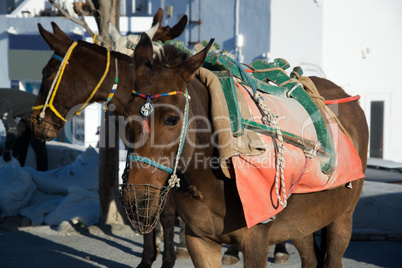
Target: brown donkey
<point>89,74</point>
<point>206,200</point>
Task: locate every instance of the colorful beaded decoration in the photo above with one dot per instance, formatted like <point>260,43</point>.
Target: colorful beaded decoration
<point>147,108</point>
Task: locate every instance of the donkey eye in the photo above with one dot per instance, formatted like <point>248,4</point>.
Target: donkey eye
<point>171,120</point>
<point>46,73</point>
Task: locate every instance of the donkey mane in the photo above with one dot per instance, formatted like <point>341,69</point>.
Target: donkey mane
<point>102,50</point>
<point>171,56</point>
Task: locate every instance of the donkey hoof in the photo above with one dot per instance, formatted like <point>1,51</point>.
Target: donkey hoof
<point>182,253</point>
<point>230,259</point>
<point>281,258</point>
<point>158,251</point>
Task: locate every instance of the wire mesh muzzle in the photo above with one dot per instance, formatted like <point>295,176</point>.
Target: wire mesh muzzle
<point>143,204</point>
<point>43,129</point>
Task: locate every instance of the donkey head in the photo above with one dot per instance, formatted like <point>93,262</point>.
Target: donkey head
<point>159,135</point>
<point>165,33</point>
<point>126,44</point>
<point>67,80</point>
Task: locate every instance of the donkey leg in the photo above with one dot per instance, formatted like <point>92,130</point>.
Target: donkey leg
<point>168,218</point>
<point>231,256</point>
<point>158,237</point>
<point>181,250</point>
<point>281,255</point>
<point>305,247</point>
<point>338,236</point>
<point>204,252</point>
<point>149,251</point>
<point>255,247</point>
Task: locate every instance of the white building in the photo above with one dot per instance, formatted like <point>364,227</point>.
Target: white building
<point>356,44</point>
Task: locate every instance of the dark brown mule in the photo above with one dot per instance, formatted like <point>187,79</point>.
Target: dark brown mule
<point>85,68</point>
<point>206,200</point>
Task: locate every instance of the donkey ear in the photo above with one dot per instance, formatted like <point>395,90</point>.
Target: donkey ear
<point>57,31</point>
<point>55,42</point>
<point>178,29</point>
<point>158,17</point>
<point>143,51</point>
<point>190,66</point>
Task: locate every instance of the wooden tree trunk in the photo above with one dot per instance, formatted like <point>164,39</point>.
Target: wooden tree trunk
<point>108,172</point>
<point>110,213</point>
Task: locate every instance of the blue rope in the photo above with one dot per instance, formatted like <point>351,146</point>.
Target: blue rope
<point>244,75</point>
<point>150,162</point>
<point>185,127</point>
<point>57,57</point>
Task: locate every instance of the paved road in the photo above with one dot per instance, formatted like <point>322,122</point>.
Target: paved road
<point>44,246</point>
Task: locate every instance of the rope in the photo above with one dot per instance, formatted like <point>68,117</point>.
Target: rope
<point>312,91</point>
<point>343,100</point>
<point>115,84</point>
<point>150,162</point>
<point>98,85</point>
<point>269,118</point>
<point>54,87</point>
<point>144,96</point>
<point>174,180</point>
<point>95,40</point>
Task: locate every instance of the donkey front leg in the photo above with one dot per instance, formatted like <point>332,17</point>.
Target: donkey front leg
<point>255,247</point>
<point>167,219</point>
<point>305,246</point>
<point>204,252</point>
<point>149,251</point>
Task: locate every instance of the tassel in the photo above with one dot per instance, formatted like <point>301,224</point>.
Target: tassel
<point>145,126</point>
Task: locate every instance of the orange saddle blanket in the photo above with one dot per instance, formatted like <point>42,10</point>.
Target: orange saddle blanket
<point>255,175</point>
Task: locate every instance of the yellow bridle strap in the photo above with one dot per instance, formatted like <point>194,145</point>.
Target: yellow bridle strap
<point>51,108</point>
<point>50,105</point>
<point>95,40</point>
<point>98,85</point>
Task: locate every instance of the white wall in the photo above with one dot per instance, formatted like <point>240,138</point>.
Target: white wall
<point>357,44</point>
<point>296,34</point>
<point>362,51</point>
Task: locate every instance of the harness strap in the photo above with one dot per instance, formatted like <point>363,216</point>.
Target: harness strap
<point>54,87</point>
<point>173,180</point>
<point>57,57</point>
<point>343,100</point>
<point>56,82</point>
<point>98,85</point>
<point>115,83</point>
<point>150,162</point>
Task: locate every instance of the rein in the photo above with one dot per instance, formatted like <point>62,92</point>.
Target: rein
<point>56,82</point>
<point>146,110</point>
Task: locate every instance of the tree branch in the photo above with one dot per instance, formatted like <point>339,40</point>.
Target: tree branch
<point>80,21</point>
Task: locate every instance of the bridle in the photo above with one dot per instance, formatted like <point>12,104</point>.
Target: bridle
<point>173,180</point>
<point>56,82</point>
<point>143,219</point>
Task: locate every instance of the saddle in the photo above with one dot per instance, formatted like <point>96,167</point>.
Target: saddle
<point>312,151</point>
<point>284,86</point>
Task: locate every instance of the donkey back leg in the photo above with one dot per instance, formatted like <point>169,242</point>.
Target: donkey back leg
<point>281,255</point>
